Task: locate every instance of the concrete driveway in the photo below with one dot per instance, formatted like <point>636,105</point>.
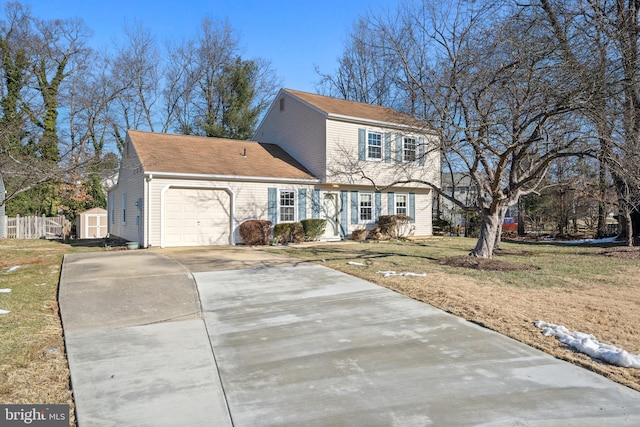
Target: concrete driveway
<point>236,336</point>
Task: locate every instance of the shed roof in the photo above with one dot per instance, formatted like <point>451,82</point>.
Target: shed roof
<point>185,154</point>
<point>356,110</point>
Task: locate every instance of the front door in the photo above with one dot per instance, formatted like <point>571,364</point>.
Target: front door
<point>330,208</point>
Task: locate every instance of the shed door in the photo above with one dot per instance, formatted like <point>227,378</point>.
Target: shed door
<point>196,217</point>
<point>96,225</point>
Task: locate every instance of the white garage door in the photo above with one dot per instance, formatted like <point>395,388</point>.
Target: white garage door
<point>196,217</point>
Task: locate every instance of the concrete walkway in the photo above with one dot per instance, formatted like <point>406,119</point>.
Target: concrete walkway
<point>172,338</point>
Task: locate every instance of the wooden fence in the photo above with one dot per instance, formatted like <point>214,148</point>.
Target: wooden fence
<point>37,227</point>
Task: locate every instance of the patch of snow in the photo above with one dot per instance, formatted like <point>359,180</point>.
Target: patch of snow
<point>5,291</point>
<point>357,263</point>
<point>406,273</point>
<point>14,268</point>
<point>4,311</point>
<point>581,241</point>
<point>587,344</point>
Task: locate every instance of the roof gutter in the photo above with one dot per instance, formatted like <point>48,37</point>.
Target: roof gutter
<point>233,178</point>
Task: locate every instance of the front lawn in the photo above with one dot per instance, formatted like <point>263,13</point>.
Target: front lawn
<point>588,288</point>
<point>33,364</point>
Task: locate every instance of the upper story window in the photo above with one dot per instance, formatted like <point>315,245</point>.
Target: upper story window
<point>401,204</point>
<point>374,145</point>
<point>366,207</point>
<point>408,149</point>
<point>287,206</point>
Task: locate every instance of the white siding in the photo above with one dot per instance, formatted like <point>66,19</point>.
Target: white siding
<point>249,201</point>
<point>131,183</point>
<point>299,130</point>
<point>342,153</point>
<point>422,225</point>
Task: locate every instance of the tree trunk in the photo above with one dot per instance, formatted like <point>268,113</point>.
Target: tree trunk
<point>629,226</point>
<point>503,213</point>
<point>488,235</point>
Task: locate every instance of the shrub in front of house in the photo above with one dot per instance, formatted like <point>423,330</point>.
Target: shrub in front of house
<point>374,234</point>
<point>359,234</point>
<point>289,232</point>
<point>313,228</point>
<point>255,232</point>
<point>395,226</point>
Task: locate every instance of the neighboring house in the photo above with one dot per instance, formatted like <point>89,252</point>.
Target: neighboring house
<point>459,186</point>
<point>176,190</point>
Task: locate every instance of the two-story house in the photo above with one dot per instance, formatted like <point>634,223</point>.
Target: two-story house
<point>313,157</point>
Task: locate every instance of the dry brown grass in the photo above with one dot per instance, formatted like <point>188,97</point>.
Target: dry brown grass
<point>33,364</point>
<point>575,286</point>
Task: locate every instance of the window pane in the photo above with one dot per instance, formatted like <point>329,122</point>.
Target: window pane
<point>401,204</point>
<point>365,207</point>
<point>374,146</point>
<point>409,152</point>
<point>287,206</point>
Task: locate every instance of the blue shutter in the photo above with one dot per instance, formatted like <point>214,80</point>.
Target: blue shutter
<point>378,206</point>
<point>412,206</point>
<point>362,144</point>
<point>355,208</point>
<point>398,147</point>
<point>391,203</point>
<point>302,204</point>
<point>421,151</point>
<point>387,148</point>
<point>272,205</point>
<point>315,204</point>
<point>344,229</point>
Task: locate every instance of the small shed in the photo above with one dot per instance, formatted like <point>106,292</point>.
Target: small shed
<point>92,224</point>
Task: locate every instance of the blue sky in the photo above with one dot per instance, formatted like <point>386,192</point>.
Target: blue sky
<point>294,35</point>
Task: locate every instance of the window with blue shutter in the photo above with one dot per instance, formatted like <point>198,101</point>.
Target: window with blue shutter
<point>272,205</point>
<point>398,148</point>
<point>343,213</point>
<point>391,203</point>
<point>362,144</point>
<point>302,204</point>
<point>412,206</point>
<point>354,207</point>
<point>316,208</point>
<point>387,148</point>
<point>377,206</point>
<point>421,151</point>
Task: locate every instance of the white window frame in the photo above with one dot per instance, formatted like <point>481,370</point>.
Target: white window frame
<point>370,208</point>
<point>380,147</point>
<point>396,204</point>
<point>405,151</point>
<point>293,206</point>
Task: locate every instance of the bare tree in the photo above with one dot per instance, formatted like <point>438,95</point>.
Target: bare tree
<point>599,45</point>
<point>198,96</point>
<point>485,76</point>
<point>365,73</point>
<point>136,72</point>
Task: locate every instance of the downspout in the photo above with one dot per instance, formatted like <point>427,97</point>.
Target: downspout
<point>147,211</point>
